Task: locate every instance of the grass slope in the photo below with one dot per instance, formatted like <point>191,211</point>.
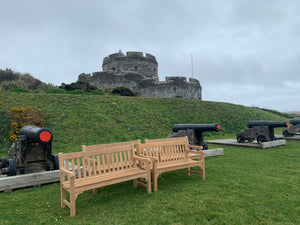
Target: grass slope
<point>92,119</point>
<point>244,186</point>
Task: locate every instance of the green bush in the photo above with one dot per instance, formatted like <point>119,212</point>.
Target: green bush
<point>22,90</point>
<point>56,91</point>
<point>77,92</point>
<point>123,91</point>
<point>24,116</point>
<point>97,92</point>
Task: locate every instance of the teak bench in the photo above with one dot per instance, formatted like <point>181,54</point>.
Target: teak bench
<point>100,166</point>
<point>171,154</point>
<point>192,155</point>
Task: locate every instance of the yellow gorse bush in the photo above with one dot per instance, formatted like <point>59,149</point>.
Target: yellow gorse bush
<point>25,116</point>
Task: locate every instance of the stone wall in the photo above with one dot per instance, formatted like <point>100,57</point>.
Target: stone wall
<point>131,62</point>
<point>140,74</point>
<point>108,80</point>
<point>173,87</point>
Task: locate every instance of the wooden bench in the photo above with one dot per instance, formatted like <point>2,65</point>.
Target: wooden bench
<point>98,167</point>
<point>171,154</point>
<point>192,155</point>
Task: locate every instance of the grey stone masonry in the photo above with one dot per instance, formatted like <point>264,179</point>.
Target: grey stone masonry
<point>140,74</point>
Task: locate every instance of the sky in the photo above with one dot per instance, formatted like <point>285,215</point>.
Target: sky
<point>242,52</point>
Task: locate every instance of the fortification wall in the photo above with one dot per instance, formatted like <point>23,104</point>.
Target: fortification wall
<point>139,73</point>
<point>173,87</point>
<point>108,80</point>
<point>132,62</point>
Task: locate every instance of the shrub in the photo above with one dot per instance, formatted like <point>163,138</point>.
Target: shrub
<point>11,84</point>
<point>123,91</point>
<point>77,92</point>
<point>56,91</point>
<point>24,116</point>
<point>97,92</point>
<point>78,85</point>
<point>23,90</point>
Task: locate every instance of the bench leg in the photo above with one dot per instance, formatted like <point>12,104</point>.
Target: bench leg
<point>135,183</point>
<point>203,171</point>
<point>72,205</point>
<point>188,171</point>
<point>154,177</point>
<point>62,197</point>
<point>95,191</point>
<point>148,180</point>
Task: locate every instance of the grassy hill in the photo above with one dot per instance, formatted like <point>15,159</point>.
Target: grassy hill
<point>243,186</point>
<point>94,119</point>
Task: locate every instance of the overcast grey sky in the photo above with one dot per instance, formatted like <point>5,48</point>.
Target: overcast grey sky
<point>244,52</point>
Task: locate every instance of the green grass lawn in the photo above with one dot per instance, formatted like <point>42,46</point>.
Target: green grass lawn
<point>244,186</point>
<point>91,119</point>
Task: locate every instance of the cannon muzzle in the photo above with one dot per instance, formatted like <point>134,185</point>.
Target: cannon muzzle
<point>197,127</point>
<point>37,134</point>
<point>295,122</point>
<point>267,123</point>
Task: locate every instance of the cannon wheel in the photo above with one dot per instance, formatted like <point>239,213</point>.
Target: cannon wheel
<point>285,133</point>
<point>12,167</point>
<point>240,139</point>
<point>251,139</point>
<point>3,162</point>
<point>55,161</point>
<point>261,138</point>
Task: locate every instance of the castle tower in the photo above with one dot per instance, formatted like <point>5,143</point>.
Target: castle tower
<point>132,62</point>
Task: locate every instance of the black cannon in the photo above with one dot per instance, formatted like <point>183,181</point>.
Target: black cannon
<point>262,131</point>
<point>292,130</point>
<point>194,132</point>
<point>30,152</point>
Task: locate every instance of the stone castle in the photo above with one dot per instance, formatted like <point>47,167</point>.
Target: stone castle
<point>140,74</point>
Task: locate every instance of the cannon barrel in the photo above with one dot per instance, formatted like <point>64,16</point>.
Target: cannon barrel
<point>37,134</point>
<point>295,122</point>
<point>267,123</point>
<point>197,127</point>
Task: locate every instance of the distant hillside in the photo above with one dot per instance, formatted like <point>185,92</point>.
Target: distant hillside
<point>94,119</point>
<point>294,113</point>
<point>10,79</point>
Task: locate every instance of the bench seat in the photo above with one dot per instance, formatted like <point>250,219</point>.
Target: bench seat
<point>105,179</point>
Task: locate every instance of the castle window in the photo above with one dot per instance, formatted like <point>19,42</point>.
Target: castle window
<point>114,68</point>
<point>154,70</point>
<point>135,68</point>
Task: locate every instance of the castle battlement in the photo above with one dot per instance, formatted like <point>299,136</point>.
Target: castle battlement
<point>139,72</point>
<point>132,54</point>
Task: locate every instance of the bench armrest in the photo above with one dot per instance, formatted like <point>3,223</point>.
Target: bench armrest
<point>140,158</point>
<point>197,152</point>
<point>195,146</point>
<point>64,171</point>
<point>147,160</point>
<point>200,152</point>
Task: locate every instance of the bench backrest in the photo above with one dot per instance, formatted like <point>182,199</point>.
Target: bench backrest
<point>165,150</point>
<point>98,161</point>
<point>107,146</point>
<point>171,139</point>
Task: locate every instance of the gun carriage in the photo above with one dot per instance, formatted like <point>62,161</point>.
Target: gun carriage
<point>292,130</point>
<point>262,131</point>
<point>194,132</point>
<point>30,152</point>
